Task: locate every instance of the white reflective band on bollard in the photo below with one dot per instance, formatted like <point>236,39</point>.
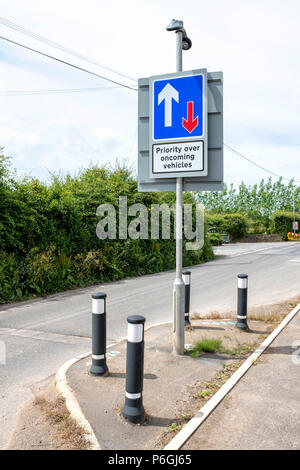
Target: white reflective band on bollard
<point>241,318</point>
<point>135,333</point>
<point>186,279</point>
<point>98,306</point>
<point>99,357</point>
<point>242,283</point>
<point>133,396</point>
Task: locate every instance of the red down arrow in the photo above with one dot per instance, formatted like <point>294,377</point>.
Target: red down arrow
<point>190,123</point>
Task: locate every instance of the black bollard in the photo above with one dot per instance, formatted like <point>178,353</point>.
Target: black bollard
<point>99,366</point>
<point>133,409</point>
<point>186,276</point>
<point>242,302</point>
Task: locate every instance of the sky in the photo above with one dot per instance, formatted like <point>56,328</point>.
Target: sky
<point>255,43</point>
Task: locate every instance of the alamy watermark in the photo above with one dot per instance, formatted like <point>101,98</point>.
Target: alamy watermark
<point>296,353</point>
<point>155,222</point>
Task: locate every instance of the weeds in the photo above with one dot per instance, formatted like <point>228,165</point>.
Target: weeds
<point>266,317</point>
<point>210,388</point>
<point>175,427</point>
<point>58,415</point>
<point>178,425</point>
<point>204,393</point>
<point>206,346</point>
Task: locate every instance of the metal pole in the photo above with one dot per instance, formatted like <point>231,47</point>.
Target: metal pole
<point>178,287</point>
<point>178,51</point>
<point>294,214</point>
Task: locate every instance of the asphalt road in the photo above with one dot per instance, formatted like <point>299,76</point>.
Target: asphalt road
<point>41,335</point>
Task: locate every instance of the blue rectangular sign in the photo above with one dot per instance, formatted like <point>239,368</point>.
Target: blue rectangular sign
<point>178,108</point>
<point>178,123</point>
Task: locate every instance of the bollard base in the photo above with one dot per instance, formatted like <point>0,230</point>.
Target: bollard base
<point>134,414</point>
<point>242,326</point>
<point>99,370</point>
<point>187,321</point>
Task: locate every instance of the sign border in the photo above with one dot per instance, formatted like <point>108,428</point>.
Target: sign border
<point>176,139</point>
<point>179,171</point>
<point>215,150</point>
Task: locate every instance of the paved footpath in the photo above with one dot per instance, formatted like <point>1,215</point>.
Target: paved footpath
<point>170,383</point>
<point>263,410</point>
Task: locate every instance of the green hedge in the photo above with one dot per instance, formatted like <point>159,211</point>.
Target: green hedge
<point>215,239</point>
<point>282,223</point>
<point>235,224</point>
<point>47,233</point>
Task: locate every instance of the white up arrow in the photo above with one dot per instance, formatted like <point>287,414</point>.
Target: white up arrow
<point>168,93</point>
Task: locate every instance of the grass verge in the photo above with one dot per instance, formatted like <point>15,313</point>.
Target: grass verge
<point>66,427</point>
<point>272,314</point>
<point>215,345</point>
<point>206,345</point>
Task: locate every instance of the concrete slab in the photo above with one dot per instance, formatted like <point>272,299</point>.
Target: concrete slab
<point>263,410</point>
<point>170,383</point>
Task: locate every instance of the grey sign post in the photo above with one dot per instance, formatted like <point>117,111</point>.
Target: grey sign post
<point>180,145</point>
<point>178,286</point>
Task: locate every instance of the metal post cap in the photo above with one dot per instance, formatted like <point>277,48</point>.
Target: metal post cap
<point>99,295</point>
<point>186,272</point>
<point>136,319</point>
<point>243,276</point>
<point>175,25</point>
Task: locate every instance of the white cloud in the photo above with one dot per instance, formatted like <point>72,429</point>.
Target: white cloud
<point>255,43</point>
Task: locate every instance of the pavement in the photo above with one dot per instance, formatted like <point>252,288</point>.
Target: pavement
<point>171,383</point>
<point>40,335</point>
<point>262,412</point>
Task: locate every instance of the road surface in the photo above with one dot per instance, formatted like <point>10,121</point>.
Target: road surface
<point>41,335</point>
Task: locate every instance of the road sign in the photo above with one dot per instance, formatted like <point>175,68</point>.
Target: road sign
<point>178,108</point>
<point>159,152</point>
<point>295,225</point>
<point>178,122</point>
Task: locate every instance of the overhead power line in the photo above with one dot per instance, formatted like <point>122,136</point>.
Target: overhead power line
<point>66,63</point>
<point>54,91</point>
<point>38,37</point>
<point>35,92</point>
<point>256,164</point>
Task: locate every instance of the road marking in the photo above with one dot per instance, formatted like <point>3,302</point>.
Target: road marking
<point>219,252</point>
<point>60,318</point>
<point>294,260</point>
<point>45,336</point>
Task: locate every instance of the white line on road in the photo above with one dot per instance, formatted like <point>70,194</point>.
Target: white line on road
<point>42,336</point>
<point>249,252</point>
